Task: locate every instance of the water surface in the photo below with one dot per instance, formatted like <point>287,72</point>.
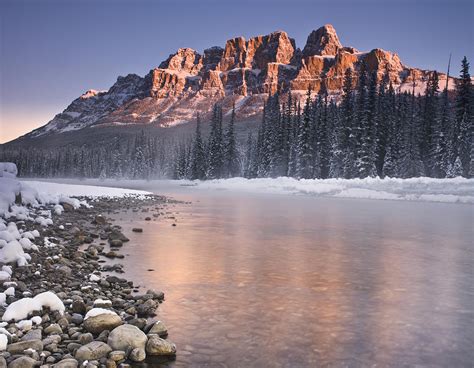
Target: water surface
<point>255,280</point>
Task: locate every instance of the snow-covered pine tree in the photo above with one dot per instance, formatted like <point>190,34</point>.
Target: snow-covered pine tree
<point>198,165</point>
<point>366,102</point>
<point>322,137</point>
<point>464,117</point>
<point>384,114</point>
<point>216,162</point>
<point>349,138</point>
<point>304,151</point>
<point>231,158</point>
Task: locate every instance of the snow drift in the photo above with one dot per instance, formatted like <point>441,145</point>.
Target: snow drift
<point>456,190</point>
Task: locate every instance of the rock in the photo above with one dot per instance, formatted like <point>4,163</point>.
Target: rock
<point>21,346</point>
<point>93,350</point>
<point>66,363</point>
<point>32,335</point>
<point>137,355</point>
<point>53,329</point>
<point>116,243</point>
<point>78,306</point>
<point>100,220</point>
<point>158,346</point>
<point>147,308</point>
<point>65,270</point>
<point>117,355</point>
<point>67,207</point>
<point>115,234</point>
<point>137,230</point>
<point>102,322</point>
<point>22,362</point>
<point>159,329</point>
<point>85,338</point>
<point>77,318</point>
<point>3,362</point>
<point>110,364</point>
<point>125,337</point>
<point>323,41</point>
<point>156,294</point>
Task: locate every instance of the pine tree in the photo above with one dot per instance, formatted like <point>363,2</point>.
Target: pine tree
<point>366,100</point>
<point>198,165</point>
<point>304,152</point>
<point>455,169</point>
<point>430,123</point>
<point>464,117</point>
<point>349,138</point>
<point>231,156</point>
<point>216,159</point>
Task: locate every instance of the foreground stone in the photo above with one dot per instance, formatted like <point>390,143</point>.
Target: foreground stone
<point>102,322</point>
<point>125,337</point>
<point>156,346</point>
<point>92,351</point>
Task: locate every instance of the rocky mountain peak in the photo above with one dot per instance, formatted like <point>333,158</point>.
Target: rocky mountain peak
<point>323,41</point>
<point>243,73</point>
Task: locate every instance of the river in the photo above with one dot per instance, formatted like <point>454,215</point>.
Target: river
<point>257,280</point>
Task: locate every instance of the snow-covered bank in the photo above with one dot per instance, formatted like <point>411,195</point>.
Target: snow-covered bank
<point>48,189</point>
<point>456,190</point>
<point>57,305</point>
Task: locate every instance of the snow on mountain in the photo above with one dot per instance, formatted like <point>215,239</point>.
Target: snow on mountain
<point>244,72</point>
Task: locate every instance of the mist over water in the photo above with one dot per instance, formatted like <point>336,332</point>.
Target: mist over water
<point>256,280</point>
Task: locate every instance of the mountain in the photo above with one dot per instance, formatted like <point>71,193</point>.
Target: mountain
<point>243,73</point>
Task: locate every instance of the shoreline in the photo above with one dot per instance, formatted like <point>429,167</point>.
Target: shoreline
<point>72,264</point>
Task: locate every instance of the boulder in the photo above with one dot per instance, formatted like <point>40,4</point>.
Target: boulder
<point>22,362</point>
<point>137,355</point>
<point>21,346</point>
<point>92,351</point>
<point>127,337</point>
<point>102,322</point>
<point>66,363</point>
<point>159,329</point>
<point>156,346</point>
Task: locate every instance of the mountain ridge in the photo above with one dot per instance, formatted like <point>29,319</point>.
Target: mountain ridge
<point>243,73</point>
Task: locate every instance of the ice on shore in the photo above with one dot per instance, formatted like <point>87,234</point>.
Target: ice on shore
<point>455,190</point>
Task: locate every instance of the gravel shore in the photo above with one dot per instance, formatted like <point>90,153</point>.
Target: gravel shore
<point>107,321</point>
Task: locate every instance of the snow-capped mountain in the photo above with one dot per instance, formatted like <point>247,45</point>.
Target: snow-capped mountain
<point>244,72</point>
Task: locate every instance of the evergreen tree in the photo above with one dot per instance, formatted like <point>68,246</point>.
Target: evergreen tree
<point>231,155</point>
<point>216,159</point>
<point>464,117</point>
<point>198,165</point>
<point>349,138</point>
<point>304,151</point>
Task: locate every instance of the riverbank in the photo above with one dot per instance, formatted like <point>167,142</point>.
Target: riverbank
<point>63,305</point>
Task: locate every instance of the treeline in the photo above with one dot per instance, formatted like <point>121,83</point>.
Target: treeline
<point>373,131</point>
<point>135,157</point>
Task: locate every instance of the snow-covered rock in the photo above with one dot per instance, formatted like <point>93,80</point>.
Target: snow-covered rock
<point>20,309</point>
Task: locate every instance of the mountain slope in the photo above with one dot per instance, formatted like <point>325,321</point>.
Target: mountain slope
<point>243,73</point>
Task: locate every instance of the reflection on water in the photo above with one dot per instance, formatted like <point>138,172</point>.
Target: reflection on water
<point>290,281</point>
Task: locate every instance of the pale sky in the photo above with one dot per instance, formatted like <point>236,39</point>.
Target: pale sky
<point>52,51</point>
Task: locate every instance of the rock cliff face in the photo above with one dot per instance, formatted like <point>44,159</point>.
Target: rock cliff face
<point>244,72</point>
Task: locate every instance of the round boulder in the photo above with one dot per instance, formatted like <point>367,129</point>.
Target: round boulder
<point>127,337</point>
<point>102,322</point>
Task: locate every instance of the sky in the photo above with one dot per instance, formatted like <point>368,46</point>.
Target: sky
<point>52,51</point>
